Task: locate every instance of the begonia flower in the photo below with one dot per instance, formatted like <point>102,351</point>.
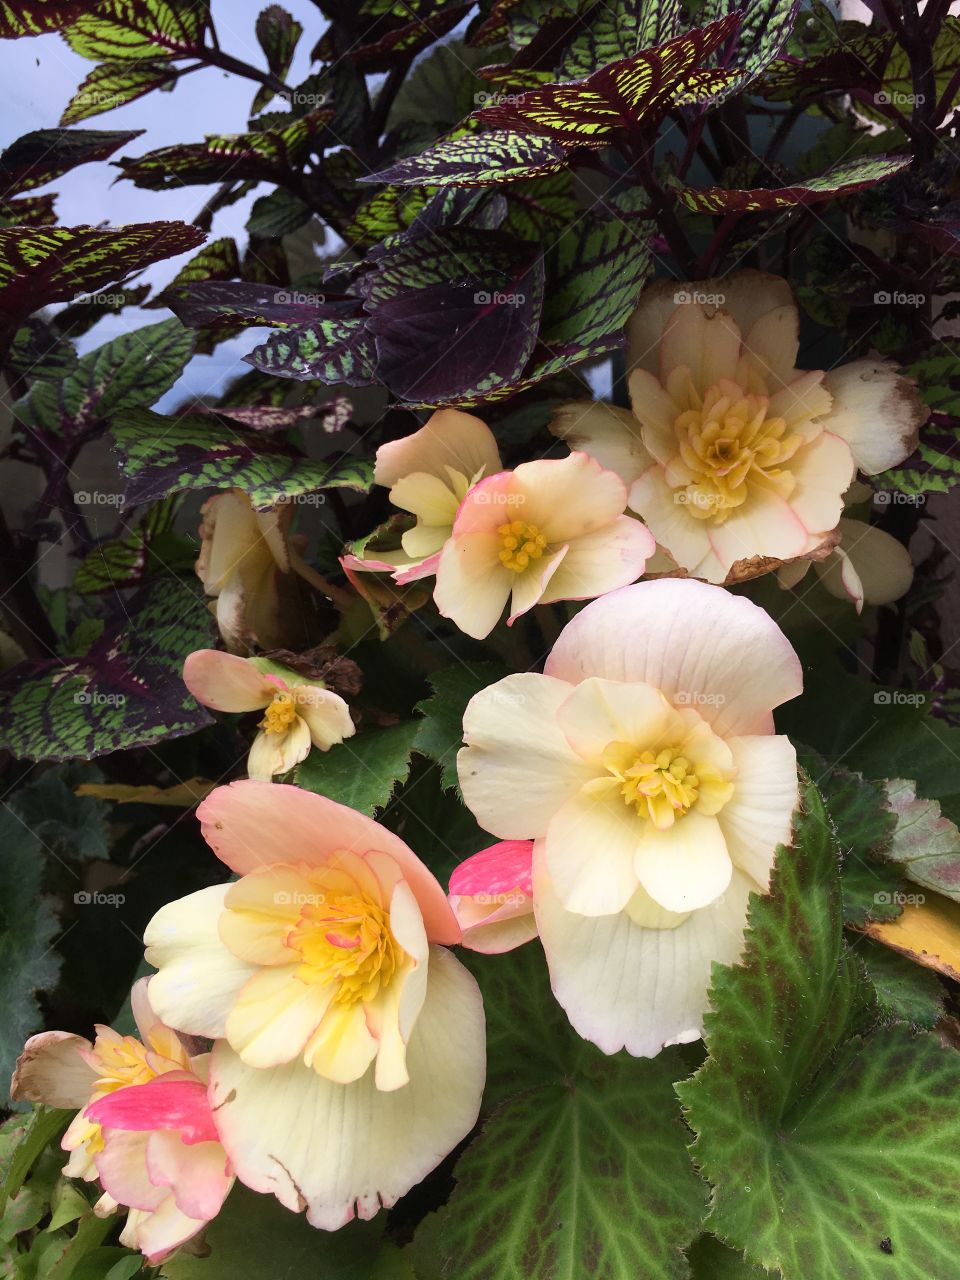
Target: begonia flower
<point>144,1127</point>
<point>298,713</point>
<point>491,894</point>
<point>553,529</point>
<point>644,766</point>
<point>736,459</point>
<point>350,1054</point>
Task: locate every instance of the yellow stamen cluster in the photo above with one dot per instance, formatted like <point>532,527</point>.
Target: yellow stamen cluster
<point>520,542</point>
<point>726,443</point>
<point>347,941</point>
<point>661,785</point>
<point>280,714</point>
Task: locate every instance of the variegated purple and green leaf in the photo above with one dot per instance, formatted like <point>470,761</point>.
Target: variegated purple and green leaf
<point>29,211</point>
<point>135,30</point>
<point>205,304</point>
<point>759,40</point>
<point>122,561</point>
<point>277,214</point>
<point>125,691</point>
<point>278,34</point>
<point>478,159</point>
<point>842,180</point>
<point>113,84</point>
<point>159,456</point>
<point>34,17</point>
<point>328,350</point>
<point>934,466</point>
<point>331,415</point>
<point>609,33</point>
<point>217,260</point>
<point>39,157</point>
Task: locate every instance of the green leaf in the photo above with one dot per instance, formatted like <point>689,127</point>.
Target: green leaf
<point>254,1235</point>
<point>118,30</point>
<point>361,772</point>
<point>113,84</point>
<point>161,455</point>
<point>277,33</point>
<point>711,1260</point>
<point>585,1176</point>
<point>331,351</point>
<point>45,154</point>
<point>477,159</point>
<point>846,1136</point>
<point>843,180</point>
<point>934,466</point>
<point>32,17</point>
<point>217,260</point>
<point>71,828</point>
<point>764,29</point>
<point>126,691</point>
<point>609,33</point>
<point>905,991</point>
<point>440,732</point>
<point>40,265</point>
<point>925,844</point>
<point>136,368</point>
<point>277,214</point>
<point>28,963</point>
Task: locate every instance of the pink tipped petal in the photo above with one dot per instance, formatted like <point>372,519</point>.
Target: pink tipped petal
<point>607,433</point>
<point>535,584</point>
<point>472,585</point>
<point>686,866</point>
<point>759,815</point>
<point>500,868</point>
<point>425,569</point>
<point>494,937</point>
<point>601,561</point>
<point>568,497</point>
<point>449,439</point>
<point>198,1176</point>
<point>766,525</point>
<point>52,1070</point>
<point>718,652</point>
<point>226,682</point>
<point>517,768</point>
<point>670,522</point>
<point>250,825</point>
<point>823,470</point>
<point>122,1169</point>
<point>876,410</point>
<point>874,568</point>
<point>342,1151</point>
<point>625,986</point>
<point>157,1234</point>
<point>162,1103</point>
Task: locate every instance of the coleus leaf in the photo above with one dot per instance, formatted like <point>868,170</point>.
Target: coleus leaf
<point>138,30</point>
<point>278,33</point>
<point>34,17</point>
<point>842,180</point>
<point>478,159</point>
<point>517,22</point>
<point>113,84</point>
<point>134,369</point>
<point>391,210</point>
<point>161,455</point>
<point>40,266</point>
<point>610,34</point>
<point>277,214</point>
<point>925,844</point>
<point>29,211</point>
<point>217,260</point>
<point>126,691</point>
<point>331,351</point>
<point>270,155</point>
<point>803,1101</point>
<point>626,95</point>
<point>206,304</point>
<point>45,154</point>
<point>392,31</point>
<point>40,351</point>
<point>332,415</point>
<point>763,31</point>
<point>123,561</point>
<point>934,466</point>
<point>853,58</point>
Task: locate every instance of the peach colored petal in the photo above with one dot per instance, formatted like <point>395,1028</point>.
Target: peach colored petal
<point>449,439</point>
<point>607,433</point>
<point>567,497</point>
<point>226,682</point>
<point>472,585</point>
<point>601,561</point>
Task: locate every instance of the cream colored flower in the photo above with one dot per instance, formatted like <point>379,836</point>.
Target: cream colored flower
<point>736,459</point>
<point>298,713</point>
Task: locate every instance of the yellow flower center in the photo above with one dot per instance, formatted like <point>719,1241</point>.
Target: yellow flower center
<point>280,714</point>
<point>520,542</point>
<point>346,940</point>
<point>662,783</point>
<point>729,442</point>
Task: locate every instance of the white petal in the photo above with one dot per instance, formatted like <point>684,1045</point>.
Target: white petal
<point>718,652</point>
<point>765,526</point>
<point>199,979</point>
<point>669,520</point>
<point>602,561</point>
<point>598,712</point>
<point>876,410</point>
<point>628,987</point>
<point>472,585</point>
<point>517,768</point>
<point>591,845</point>
<point>759,815</point>
<point>607,433</point>
<point>880,563</point>
<point>51,1070</point>
<point>345,1150</point>
<point>449,439</point>
<point>823,469</point>
<point>686,866</point>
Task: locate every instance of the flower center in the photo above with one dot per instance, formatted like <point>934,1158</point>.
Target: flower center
<point>727,443</point>
<point>520,542</point>
<point>661,785</point>
<point>346,940</point>
<point>280,714</point>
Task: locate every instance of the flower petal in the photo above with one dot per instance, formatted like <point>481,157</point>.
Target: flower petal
<point>273,753</point>
<point>705,340</point>
<point>880,564</point>
<point>326,714</point>
<point>499,869</point>
<point>765,526</point>
<point>122,1168</point>
<point>602,561</point>
<point>686,866</point>
<point>275,1014</point>
<point>624,986</point>
<point>226,682</point>
<point>607,433</point>
<point>822,469</point>
<point>197,1175</point>
<point>517,768</point>
<point>340,1150</point>
<point>591,845</point>
<point>199,978</point>
<point>598,712</point>
<point>669,520</point>
<point>759,815</point>
<point>568,497</point>
<point>719,652</point>
<point>250,825</point>
<point>52,1070</point>
<point>449,439</point>
<point>173,1101</point>
<point>472,585</point>
<point>876,410</point>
